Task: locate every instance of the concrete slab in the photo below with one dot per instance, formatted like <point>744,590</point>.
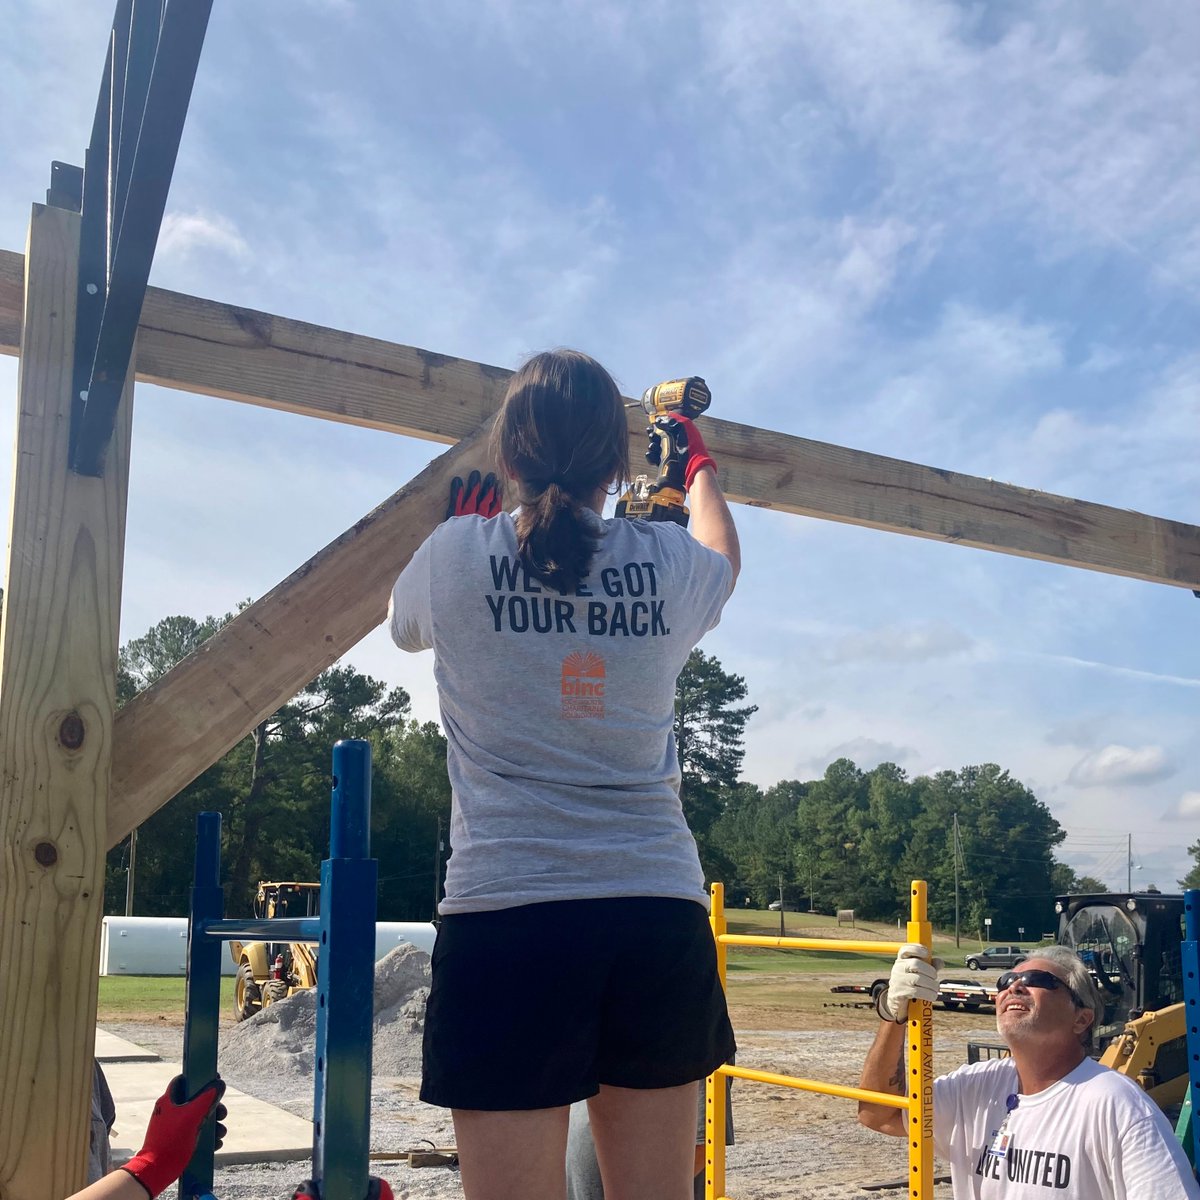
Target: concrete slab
<point>258,1131</point>
<point>113,1049</point>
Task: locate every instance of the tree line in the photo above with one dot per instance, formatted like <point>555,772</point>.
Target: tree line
<point>851,839</point>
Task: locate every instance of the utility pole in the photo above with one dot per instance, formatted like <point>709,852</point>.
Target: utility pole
<point>956,856</point>
<point>781,906</point>
<point>129,873</point>
<point>1129,862</point>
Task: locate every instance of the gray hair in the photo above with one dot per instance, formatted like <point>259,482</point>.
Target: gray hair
<point>1080,981</point>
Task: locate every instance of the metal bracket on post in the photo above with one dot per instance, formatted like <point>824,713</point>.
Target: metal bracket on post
<point>66,187</point>
<point>203,996</point>
<point>153,52</point>
<point>346,984</point>
<point>1190,961</point>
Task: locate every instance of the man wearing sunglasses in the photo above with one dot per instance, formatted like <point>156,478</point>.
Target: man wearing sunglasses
<point>1049,1120</point>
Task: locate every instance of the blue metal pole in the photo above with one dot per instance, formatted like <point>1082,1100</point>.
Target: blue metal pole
<point>1190,962</point>
<point>203,997</point>
<point>345,984</point>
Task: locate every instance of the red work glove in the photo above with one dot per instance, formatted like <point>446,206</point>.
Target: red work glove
<point>698,456</point>
<point>476,497</point>
<point>172,1133</point>
<point>377,1189</point>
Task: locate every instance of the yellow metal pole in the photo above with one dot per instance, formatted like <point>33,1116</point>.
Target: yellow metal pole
<point>714,1085</point>
<point>920,1062</point>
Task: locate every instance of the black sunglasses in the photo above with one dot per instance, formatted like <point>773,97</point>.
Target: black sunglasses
<point>1037,979</point>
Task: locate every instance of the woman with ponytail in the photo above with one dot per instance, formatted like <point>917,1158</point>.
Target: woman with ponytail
<point>574,959</point>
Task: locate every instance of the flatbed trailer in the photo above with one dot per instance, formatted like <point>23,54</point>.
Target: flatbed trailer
<point>952,993</point>
<point>966,993</point>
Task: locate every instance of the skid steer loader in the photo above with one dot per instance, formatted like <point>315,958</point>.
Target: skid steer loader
<point>1131,944</point>
<point>269,971</point>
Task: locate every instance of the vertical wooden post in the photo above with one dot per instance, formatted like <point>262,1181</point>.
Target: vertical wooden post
<point>58,653</point>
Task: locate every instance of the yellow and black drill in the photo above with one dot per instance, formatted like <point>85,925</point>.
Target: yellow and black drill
<point>663,500</point>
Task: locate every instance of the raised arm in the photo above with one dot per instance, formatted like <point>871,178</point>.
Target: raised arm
<point>711,521</point>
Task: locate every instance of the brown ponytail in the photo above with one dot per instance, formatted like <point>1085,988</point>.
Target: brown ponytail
<point>561,433</point>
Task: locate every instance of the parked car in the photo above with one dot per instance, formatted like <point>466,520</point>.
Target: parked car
<point>997,956</point>
<point>776,905</point>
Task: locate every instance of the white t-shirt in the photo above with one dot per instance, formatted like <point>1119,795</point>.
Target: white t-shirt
<point>1093,1135</point>
<point>559,710</point>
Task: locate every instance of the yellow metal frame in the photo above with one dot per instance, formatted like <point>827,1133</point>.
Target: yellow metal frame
<point>918,1102</point>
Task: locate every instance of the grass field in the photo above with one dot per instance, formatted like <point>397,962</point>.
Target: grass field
<point>148,997</point>
<point>151,998</point>
<point>812,925</point>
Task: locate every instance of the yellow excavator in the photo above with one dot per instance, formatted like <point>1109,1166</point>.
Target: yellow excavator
<point>270,971</point>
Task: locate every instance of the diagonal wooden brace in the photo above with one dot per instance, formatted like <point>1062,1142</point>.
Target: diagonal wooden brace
<point>166,736</point>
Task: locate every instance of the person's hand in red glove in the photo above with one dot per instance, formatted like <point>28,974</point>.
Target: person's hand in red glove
<point>172,1133</point>
<point>479,496</point>
<point>698,456</point>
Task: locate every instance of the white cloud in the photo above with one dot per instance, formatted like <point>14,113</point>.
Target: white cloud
<point>1031,119</point>
<point>1134,673</point>
<point>866,753</point>
<point>900,644</point>
<point>1079,733</point>
<point>185,234</point>
<point>1121,765</point>
<point>1188,806</point>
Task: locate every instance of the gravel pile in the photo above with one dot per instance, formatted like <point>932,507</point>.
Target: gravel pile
<point>280,1041</point>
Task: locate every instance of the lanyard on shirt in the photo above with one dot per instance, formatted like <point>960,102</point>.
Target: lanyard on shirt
<point>1000,1139</point>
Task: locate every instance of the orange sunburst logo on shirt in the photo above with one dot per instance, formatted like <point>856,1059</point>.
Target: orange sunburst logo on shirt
<point>582,686</point>
<point>583,663</point>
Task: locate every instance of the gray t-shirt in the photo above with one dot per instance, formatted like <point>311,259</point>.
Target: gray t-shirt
<point>559,710</point>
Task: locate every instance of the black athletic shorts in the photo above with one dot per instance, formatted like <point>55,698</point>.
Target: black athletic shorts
<point>537,1006</point>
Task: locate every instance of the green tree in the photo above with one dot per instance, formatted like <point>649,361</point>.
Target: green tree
<point>272,789</point>
<point>754,836</point>
<point>1065,882</point>
<point>143,661</point>
<point>881,833</point>
<point>1008,837</point>
<point>710,726</point>
<point>410,820</point>
<point>1192,878</point>
<point>829,824</point>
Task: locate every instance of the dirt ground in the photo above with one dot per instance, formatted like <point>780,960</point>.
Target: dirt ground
<point>790,1145</point>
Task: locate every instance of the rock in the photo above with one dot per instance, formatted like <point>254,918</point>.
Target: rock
<point>282,1038</point>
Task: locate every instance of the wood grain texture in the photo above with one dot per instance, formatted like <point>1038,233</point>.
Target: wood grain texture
<point>181,725</point>
<point>220,350</point>
<point>58,654</point>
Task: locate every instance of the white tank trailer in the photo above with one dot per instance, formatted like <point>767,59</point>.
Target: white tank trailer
<point>158,945</point>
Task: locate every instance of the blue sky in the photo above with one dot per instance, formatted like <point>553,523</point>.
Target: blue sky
<point>967,235</point>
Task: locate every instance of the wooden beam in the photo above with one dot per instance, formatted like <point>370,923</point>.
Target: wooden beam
<point>182,724</point>
<point>219,350</point>
<point>12,300</point>
<point>58,657</point>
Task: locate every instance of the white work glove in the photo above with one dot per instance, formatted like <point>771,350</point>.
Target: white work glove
<point>914,977</point>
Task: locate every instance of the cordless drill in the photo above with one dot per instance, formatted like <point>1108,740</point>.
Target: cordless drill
<point>663,500</point>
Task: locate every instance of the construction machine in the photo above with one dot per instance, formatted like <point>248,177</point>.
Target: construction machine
<point>269,971</point>
<point>1131,943</point>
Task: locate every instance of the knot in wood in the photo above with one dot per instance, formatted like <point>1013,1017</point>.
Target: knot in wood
<point>70,732</point>
<point>46,854</point>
